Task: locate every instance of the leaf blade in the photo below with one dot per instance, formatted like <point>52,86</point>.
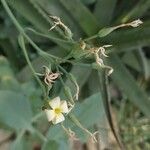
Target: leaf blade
<point>126,82</point>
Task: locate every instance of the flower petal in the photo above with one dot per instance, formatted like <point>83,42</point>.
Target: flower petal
<point>59,118</point>
<point>55,103</point>
<point>50,114</point>
<point>64,107</point>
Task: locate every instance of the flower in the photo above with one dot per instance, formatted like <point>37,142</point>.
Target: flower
<point>50,77</point>
<point>58,109</point>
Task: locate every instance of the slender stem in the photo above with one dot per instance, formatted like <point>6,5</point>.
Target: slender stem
<point>22,44</point>
<point>77,122</point>
<point>40,135</point>
<point>47,36</point>
<point>90,38</point>
<point>61,80</point>
<point>66,88</point>
<point>21,30</point>
<point>73,80</point>
<point>37,116</point>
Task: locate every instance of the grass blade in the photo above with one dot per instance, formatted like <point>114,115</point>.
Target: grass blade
<point>128,85</point>
<point>104,9</point>
<point>80,13</point>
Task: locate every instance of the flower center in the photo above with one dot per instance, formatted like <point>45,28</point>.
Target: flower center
<point>57,111</point>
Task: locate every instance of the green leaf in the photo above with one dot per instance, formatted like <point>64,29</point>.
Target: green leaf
<point>128,39</point>
<point>50,145</point>
<point>84,17</point>
<point>15,110</point>
<point>5,67</point>
<point>128,85</point>
<point>10,52</point>
<point>130,59</point>
<point>104,9</point>
<point>89,107</point>
<point>19,142</point>
<point>7,78</point>
<point>27,10</point>
<point>88,1</point>
<point>9,83</point>
<point>81,77</point>
<point>143,62</point>
<point>143,6</point>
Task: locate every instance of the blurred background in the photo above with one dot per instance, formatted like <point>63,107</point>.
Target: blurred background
<point>23,125</point>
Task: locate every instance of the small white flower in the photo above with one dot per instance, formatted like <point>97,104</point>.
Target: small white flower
<point>58,109</point>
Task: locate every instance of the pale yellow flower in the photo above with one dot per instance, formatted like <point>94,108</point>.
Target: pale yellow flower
<point>58,109</point>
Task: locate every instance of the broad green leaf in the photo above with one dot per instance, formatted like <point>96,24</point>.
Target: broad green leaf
<point>91,107</point>
<point>56,145</point>
<point>7,78</point>
<point>15,110</point>
<point>34,94</point>
<point>10,52</point>
<point>53,145</point>
<point>81,77</point>
<point>5,67</point>
<point>9,83</point>
<point>19,143</point>
<point>128,85</point>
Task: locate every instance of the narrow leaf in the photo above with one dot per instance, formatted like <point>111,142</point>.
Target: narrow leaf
<point>128,85</point>
<point>104,9</point>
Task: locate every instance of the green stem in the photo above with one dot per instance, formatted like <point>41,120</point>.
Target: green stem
<point>37,116</point>
<point>46,36</point>
<point>22,45</point>
<point>66,89</point>
<point>21,30</point>
<point>40,135</point>
<point>91,38</point>
<point>77,122</point>
<point>73,80</point>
